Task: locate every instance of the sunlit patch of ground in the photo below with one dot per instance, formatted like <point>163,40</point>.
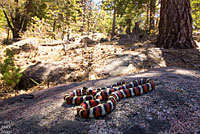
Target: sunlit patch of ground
<point>85,60</point>
<point>198,44</point>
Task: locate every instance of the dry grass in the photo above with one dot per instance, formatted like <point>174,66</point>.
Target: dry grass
<point>87,60</point>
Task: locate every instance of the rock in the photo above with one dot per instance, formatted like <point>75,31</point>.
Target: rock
<point>196,36</point>
<point>87,40</point>
<point>24,45</point>
<point>42,72</point>
<point>47,112</point>
<point>19,98</point>
<point>103,40</point>
<point>125,39</point>
<point>115,38</point>
<point>137,34</point>
<point>122,64</point>
<point>56,43</point>
<point>7,42</point>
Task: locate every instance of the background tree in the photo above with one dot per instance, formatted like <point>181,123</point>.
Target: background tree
<point>114,19</point>
<point>152,14</point>
<point>126,12</point>
<point>175,28</point>
<point>17,15</point>
<point>61,16</point>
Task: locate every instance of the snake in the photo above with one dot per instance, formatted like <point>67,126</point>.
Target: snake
<point>96,102</point>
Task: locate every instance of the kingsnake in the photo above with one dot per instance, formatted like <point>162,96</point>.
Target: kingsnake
<point>90,99</point>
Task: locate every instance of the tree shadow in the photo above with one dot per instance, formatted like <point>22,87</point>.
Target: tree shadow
<point>185,58</point>
<point>159,57</point>
<point>38,125</point>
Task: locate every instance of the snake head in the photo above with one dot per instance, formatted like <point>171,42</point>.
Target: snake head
<point>66,95</point>
<point>84,88</point>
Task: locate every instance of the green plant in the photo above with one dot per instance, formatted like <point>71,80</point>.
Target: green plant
<point>9,73</point>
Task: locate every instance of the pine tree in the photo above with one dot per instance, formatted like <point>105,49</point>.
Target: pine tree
<point>175,28</point>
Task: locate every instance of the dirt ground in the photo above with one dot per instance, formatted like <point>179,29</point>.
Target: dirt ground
<point>87,60</point>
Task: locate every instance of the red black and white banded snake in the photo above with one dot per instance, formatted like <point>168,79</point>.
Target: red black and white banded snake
<point>90,100</point>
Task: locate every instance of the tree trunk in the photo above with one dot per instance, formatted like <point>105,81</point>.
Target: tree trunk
<point>175,27</point>
<point>54,24</point>
<point>63,27</point>
<point>15,34</point>
<point>135,32</point>
<point>147,21</point>
<point>26,18</point>
<point>128,23</point>
<point>8,34</point>
<point>16,21</point>
<point>89,16</point>
<point>152,14</point>
<point>114,18</point>
<point>83,3</point>
<point>68,27</point>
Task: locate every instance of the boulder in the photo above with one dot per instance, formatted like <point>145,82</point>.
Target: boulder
<point>56,43</point>
<point>87,40</point>
<point>24,45</point>
<point>137,34</point>
<point>127,63</point>
<point>125,39</point>
<point>103,40</point>
<point>42,72</point>
<point>171,108</point>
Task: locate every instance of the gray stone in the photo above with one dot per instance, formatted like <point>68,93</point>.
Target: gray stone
<point>87,40</point>
<point>125,39</point>
<point>46,113</point>
<point>103,40</point>
<point>120,64</point>
<point>42,72</point>
<point>24,45</point>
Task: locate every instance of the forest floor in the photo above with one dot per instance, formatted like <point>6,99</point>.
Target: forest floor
<point>89,62</point>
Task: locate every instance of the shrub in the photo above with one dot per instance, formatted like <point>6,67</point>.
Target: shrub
<point>9,73</point>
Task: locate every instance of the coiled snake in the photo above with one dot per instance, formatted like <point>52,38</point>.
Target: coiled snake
<point>90,99</point>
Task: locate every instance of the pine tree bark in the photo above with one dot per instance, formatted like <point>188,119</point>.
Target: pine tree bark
<point>175,27</point>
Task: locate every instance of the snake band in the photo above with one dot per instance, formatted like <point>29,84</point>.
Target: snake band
<point>90,100</point>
